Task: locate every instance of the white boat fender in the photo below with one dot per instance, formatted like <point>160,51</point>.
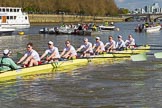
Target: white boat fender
<point>117,29</point>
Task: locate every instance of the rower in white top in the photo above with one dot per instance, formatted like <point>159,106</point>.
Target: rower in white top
<point>99,46</point>
<point>31,57</point>
<point>130,42</point>
<point>85,49</point>
<point>110,45</point>
<point>69,51</point>
<point>120,45</point>
<point>52,53</point>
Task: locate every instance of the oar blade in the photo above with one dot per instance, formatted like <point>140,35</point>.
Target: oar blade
<point>139,57</point>
<point>158,55</point>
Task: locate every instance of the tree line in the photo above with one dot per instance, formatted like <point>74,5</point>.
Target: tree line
<point>79,7</point>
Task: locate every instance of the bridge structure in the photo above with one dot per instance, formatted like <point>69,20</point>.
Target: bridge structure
<point>148,17</point>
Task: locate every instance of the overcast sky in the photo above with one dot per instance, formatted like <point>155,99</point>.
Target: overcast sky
<point>133,4</point>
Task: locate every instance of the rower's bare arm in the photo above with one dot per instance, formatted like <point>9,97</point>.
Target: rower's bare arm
<point>111,46</point>
<point>106,44</point>
<point>52,55</point>
<point>63,52</point>
<point>93,46</point>
<point>68,52</point>
<point>78,49</point>
<point>43,56</point>
<point>28,59</point>
<point>99,47</point>
<point>88,48</point>
<point>22,59</point>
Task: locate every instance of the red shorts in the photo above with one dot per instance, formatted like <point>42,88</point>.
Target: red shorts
<point>27,65</point>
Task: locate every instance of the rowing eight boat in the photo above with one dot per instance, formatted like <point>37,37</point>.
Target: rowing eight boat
<point>76,62</point>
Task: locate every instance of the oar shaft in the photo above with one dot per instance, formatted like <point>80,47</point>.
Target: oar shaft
<point>148,49</point>
<point>152,45</point>
<point>106,57</point>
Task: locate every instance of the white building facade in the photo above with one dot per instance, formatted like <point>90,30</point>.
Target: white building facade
<point>155,8</point>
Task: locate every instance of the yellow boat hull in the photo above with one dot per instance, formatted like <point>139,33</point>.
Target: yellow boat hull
<point>51,66</point>
<point>70,63</point>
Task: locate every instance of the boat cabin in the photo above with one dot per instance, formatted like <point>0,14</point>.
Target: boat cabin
<point>13,17</point>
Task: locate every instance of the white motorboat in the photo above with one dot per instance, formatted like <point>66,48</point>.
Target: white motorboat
<point>6,31</point>
<point>65,30</point>
<point>105,28</point>
<point>13,17</point>
<point>152,28</point>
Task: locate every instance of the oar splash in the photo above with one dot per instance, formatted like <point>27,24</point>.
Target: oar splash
<point>143,56</point>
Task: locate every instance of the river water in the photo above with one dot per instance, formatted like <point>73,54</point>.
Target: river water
<point>125,84</point>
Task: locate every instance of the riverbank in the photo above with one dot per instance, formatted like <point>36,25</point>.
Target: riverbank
<point>50,18</point>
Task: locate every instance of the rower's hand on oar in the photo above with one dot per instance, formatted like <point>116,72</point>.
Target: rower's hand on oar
<point>43,61</point>
<point>47,59</point>
<point>84,52</point>
<point>18,63</point>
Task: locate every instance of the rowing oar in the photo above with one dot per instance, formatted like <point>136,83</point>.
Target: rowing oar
<point>158,55</point>
<point>91,57</point>
<point>139,57</point>
<point>143,56</point>
<point>151,45</point>
<point>148,49</point>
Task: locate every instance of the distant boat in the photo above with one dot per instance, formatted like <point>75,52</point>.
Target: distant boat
<point>70,30</point>
<point>148,27</point>
<point>65,30</point>
<point>6,31</point>
<point>107,26</point>
<point>13,17</point>
<point>44,30</point>
<point>152,28</point>
<point>104,28</point>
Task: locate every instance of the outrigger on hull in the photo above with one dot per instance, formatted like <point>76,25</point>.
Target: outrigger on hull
<point>120,55</point>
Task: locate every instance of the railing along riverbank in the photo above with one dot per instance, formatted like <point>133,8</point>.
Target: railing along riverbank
<point>50,18</point>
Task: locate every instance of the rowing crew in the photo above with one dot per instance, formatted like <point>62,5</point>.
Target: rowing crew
<point>32,58</point>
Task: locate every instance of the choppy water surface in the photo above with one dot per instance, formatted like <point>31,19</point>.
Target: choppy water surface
<point>124,84</point>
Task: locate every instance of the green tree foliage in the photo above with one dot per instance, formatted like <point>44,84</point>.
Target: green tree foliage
<point>123,11</point>
<point>84,7</point>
